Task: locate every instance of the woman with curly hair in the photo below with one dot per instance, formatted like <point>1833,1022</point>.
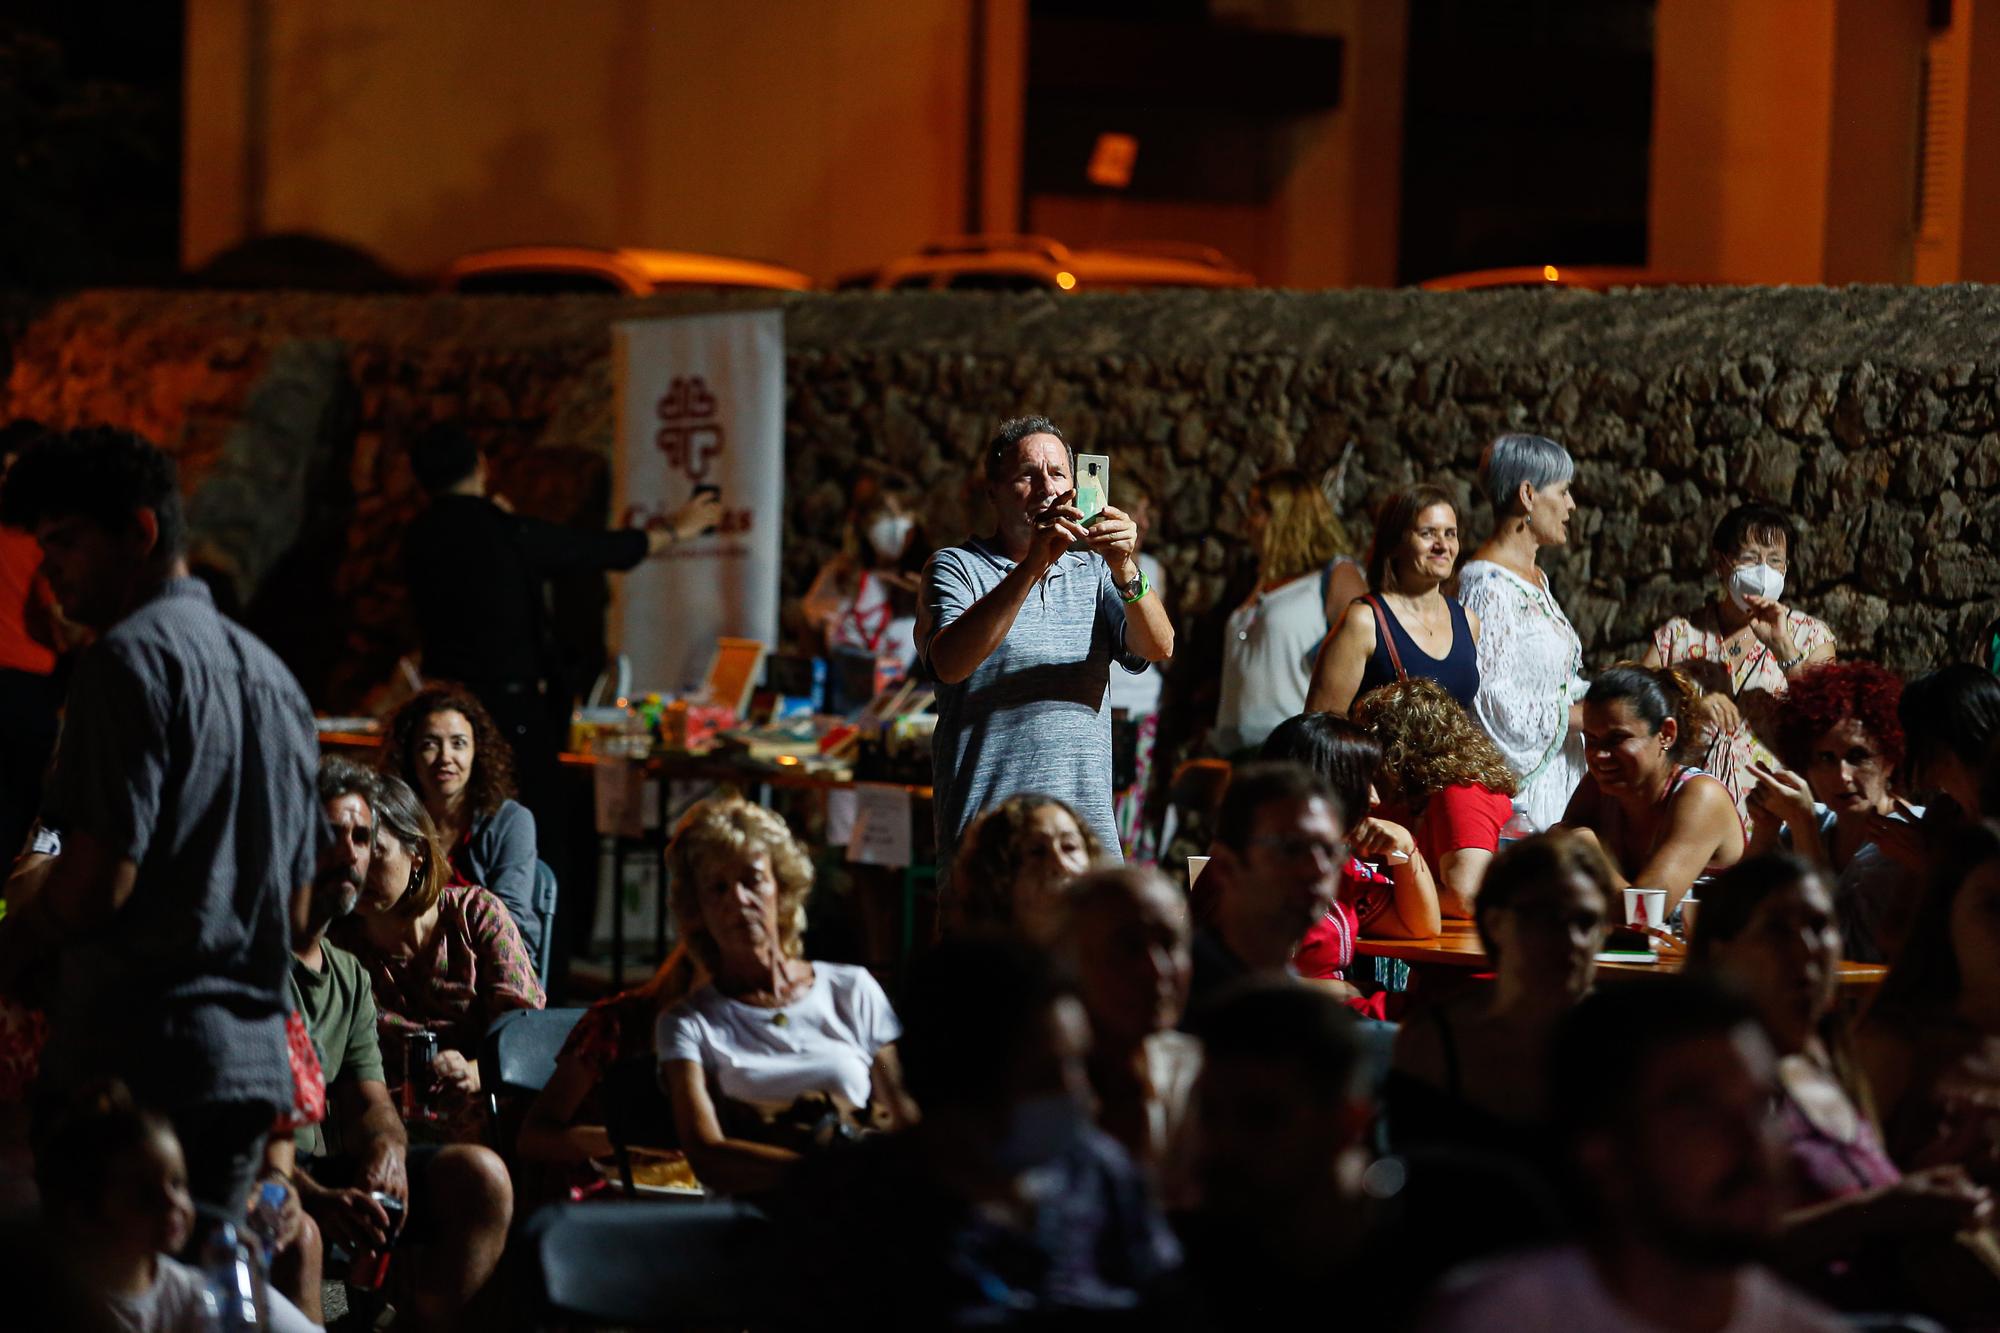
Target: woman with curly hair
<point>1015,866</point>
<point>1838,729</point>
<point>772,1055</point>
<point>1662,823</point>
<point>1442,777</point>
<point>446,746</point>
<point>1305,577</point>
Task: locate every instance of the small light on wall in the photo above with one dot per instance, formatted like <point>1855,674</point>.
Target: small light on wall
<point>1065,280</point>
<point>1549,273</point>
<point>1111,161</point>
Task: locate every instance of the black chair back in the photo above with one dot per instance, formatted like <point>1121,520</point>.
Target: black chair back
<point>544,900</point>
<point>652,1264</point>
<point>516,1061</point>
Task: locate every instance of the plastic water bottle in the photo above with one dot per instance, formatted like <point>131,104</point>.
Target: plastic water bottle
<point>1519,826</point>
<point>233,1286</point>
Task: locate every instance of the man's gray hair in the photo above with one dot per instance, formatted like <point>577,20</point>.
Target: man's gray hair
<point>340,776</point>
<point>1513,459</point>
<point>1000,450</point>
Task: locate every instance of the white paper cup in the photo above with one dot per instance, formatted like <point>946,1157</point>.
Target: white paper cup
<point>1196,864</point>
<point>1646,907</point>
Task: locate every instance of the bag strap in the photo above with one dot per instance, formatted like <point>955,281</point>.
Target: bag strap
<point>1388,636</point>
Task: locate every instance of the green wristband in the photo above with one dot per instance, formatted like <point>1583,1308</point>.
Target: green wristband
<point>1144,587</point>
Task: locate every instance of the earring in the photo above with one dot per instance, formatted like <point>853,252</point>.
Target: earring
<point>416,874</point>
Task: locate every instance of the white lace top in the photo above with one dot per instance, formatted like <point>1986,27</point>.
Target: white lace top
<point>1530,672</point>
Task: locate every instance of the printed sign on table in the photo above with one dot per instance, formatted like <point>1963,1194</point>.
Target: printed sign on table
<point>881,833</point>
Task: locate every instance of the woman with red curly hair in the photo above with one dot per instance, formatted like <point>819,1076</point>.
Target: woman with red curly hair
<point>1838,729</point>
<point>1443,778</point>
<point>447,747</point>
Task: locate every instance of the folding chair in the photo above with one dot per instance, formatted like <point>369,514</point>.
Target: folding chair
<point>652,1264</point>
<point>517,1058</point>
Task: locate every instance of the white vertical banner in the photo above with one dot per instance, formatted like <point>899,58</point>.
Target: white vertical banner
<point>701,402</point>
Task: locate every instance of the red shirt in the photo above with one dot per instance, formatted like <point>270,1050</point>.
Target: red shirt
<point>20,561</point>
<point>1461,816</point>
<point>1327,951</point>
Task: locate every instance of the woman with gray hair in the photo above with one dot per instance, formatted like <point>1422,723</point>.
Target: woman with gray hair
<point>1530,660</point>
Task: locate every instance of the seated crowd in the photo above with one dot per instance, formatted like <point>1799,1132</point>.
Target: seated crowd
<point>1114,1092</point>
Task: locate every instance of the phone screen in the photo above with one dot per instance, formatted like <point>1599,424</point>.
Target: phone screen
<point>1093,486</point>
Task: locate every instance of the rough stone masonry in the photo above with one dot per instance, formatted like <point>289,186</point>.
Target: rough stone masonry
<point>1872,413</point>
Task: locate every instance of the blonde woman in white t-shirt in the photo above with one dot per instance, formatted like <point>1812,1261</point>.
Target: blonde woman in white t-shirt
<point>774,1054</point>
<point>1305,578</point>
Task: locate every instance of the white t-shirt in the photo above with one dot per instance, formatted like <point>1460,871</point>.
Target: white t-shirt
<point>1140,694</point>
<point>783,1068</point>
<point>1268,651</point>
<point>1559,1290</point>
<point>175,1304</point>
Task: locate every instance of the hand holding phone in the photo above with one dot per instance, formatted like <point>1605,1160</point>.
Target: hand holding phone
<point>699,516</point>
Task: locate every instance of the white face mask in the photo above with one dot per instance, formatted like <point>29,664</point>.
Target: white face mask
<point>1758,580</point>
<point>889,533</point>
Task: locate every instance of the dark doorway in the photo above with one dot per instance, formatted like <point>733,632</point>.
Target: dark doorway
<point>1527,134</point>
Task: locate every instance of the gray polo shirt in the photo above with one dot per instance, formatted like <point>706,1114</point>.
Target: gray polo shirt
<point>1035,716</point>
<point>188,748</point>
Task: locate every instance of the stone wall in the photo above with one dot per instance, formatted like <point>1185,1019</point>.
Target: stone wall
<point>1870,412</point>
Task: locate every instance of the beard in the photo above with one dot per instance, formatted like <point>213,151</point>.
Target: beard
<point>337,895</point>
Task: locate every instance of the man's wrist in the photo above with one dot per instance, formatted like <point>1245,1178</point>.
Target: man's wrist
<point>1124,570</point>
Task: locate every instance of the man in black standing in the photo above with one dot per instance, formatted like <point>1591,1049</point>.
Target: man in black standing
<point>184,790</point>
<point>478,578</point>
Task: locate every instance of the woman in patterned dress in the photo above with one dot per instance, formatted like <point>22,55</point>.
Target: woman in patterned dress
<point>1531,683</point>
<point>445,959</point>
<point>1743,647</point>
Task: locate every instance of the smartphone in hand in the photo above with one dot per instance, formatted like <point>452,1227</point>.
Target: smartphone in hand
<point>710,489</point>
<point>1093,486</point>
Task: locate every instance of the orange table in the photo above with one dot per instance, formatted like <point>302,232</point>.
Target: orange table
<point>1457,945</point>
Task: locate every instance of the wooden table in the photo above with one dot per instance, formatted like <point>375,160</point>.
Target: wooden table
<point>1457,945</point>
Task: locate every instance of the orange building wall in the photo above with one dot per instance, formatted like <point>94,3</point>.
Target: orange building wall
<point>1784,139</point>
<point>1332,223</point>
<point>825,136</point>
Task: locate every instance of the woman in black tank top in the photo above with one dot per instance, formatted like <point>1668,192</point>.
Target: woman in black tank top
<point>1467,1073</point>
<point>1407,626</point>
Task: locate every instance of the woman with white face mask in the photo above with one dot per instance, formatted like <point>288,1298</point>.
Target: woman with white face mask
<point>864,601</point>
<point>1743,645</point>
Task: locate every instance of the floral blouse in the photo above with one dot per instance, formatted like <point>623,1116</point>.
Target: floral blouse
<point>1530,672</point>
<point>1754,679</point>
<point>474,969</point>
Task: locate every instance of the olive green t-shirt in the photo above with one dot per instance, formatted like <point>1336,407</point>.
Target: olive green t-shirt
<point>338,1006</point>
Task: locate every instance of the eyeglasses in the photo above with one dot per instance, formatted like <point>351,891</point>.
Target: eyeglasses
<point>1297,847</point>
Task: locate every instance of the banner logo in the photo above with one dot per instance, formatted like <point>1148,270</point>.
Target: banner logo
<point>690,433</point>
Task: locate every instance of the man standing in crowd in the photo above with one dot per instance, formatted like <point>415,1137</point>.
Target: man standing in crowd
<point>1021,631</point>
<point>183,789</point>
<point>1663,1094</point>
<point>1273,873</point>
<point>478,574</point>
<point>458,1196</point>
